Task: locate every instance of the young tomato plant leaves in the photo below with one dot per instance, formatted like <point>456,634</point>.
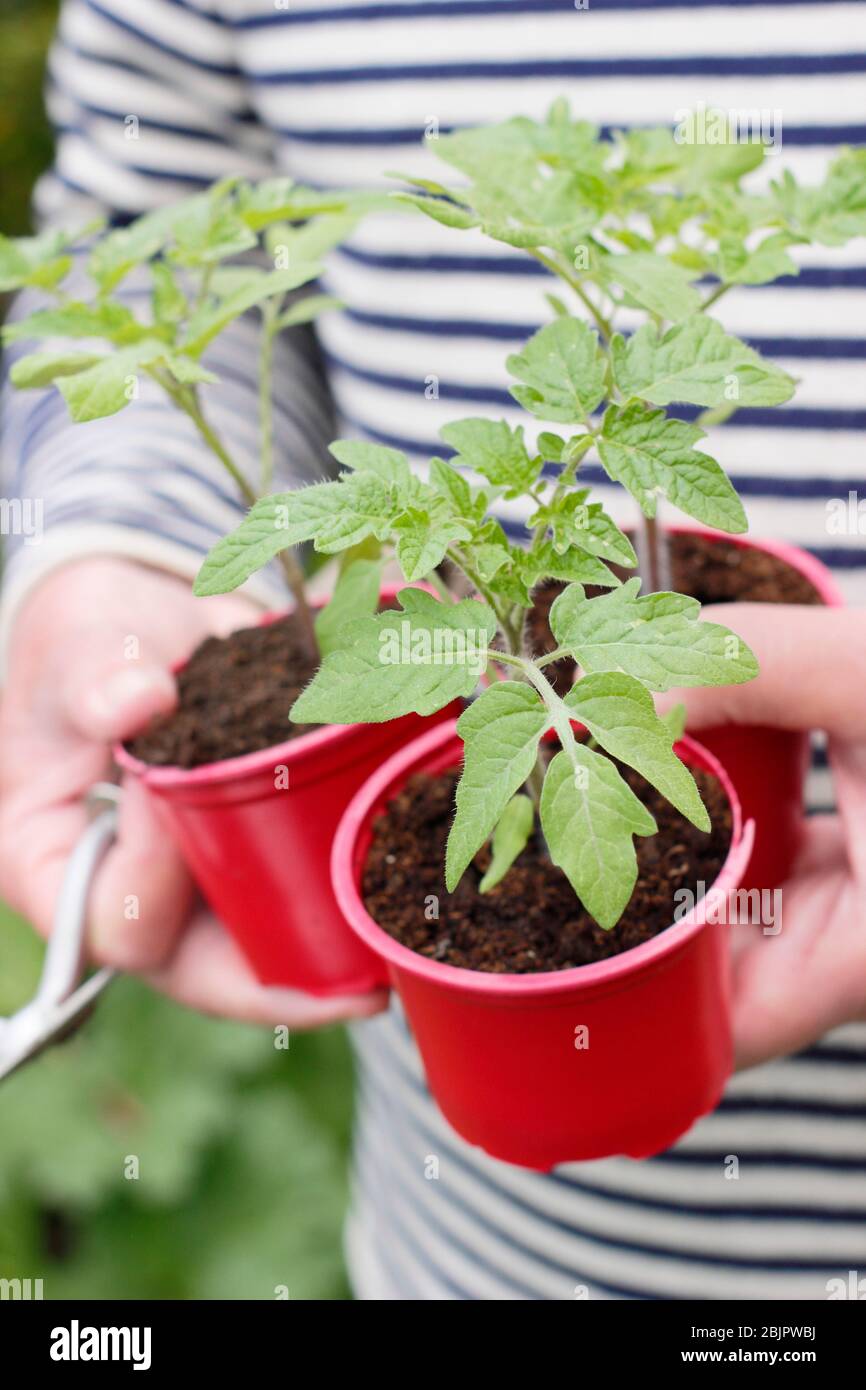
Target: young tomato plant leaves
<point>496,451</point>
<point>417,658</point>
<point>109,385</point>
<point>510,839</point>
<point>657,638</point>
<point>562,370</point>
<point>42,368</point>
<point>620,715</point>
<point>696,362</point>
<point>546,561</point>
<point>675,722</point>
<point>501,731</point>
<point>75,319</point>
<point>650,453</point>
<point>356,595</point>
<point>423,538</point>
<point>652,282</point>
<point>209,321</point>
<point>572,521</point>
<point>589,816</point>
<point>390,465</point>
<point>275,522</point>
<point>168,300</point>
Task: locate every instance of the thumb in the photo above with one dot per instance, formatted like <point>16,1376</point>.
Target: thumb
<point>106,697</point>
<point>812,671</point>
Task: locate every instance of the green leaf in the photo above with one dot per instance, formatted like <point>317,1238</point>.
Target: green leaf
<point>309,308</point>
<point>272,525</point>
<point>208,228</point>
<point>214,317</point>
<point>769,261</point>
<point>650,454</point>
<point>501,731</point>
<point>313,240</point>
<point>620,715</point>
<point>415,659</point>
<point>589,817</point>
<point>657,638</point>
<point>423,537</point>
<point>391,465</point>
<point>187,369</point>
<point>116,254</point>
<point>546,561</point>
<point>653,283</point>
<point>440,209</point>
<point>489,558</point>
<point>356,595</point>
<point>42,368</point>
<point>76,319</point>
<point>496,451</point>
<point>675,722</point>
<point>698,362</point>
<point>510,839</point>
<point>563,371</point>
<point>104,388</point>
<point>169,301</point>
<point>451,485</point>
<point>270,200</point>
<point>575,522</point>
<point>36,260</point>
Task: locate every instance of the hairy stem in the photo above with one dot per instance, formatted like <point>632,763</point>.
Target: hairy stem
<point>715,296</point>
<point>653,552</point>
<point>188,401</point>
<point>266,413</point>
<point>603,325</point>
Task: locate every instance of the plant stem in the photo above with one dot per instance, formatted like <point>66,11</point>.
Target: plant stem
<point>188,401</point>
<point>266,414</point>
<point>714,296</point>
<point>653,552</point>
<point>603,325</point>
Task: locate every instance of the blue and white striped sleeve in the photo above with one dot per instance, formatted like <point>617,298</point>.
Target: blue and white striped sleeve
<point>142,483</point>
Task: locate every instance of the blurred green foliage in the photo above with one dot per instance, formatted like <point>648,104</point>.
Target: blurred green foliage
<point>25,137</point>
<point>159,1154</point>
<point>241,1148</point>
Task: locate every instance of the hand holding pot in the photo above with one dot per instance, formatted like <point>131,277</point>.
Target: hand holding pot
<point>791,987</point>
<point>89,663</point>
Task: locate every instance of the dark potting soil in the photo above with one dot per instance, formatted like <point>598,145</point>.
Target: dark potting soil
<point>531,921</point>
<point>234,697</point>
<point>711,571</point>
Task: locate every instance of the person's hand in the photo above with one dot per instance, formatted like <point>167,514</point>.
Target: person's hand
<point>89,660</point>
<point>791,988</point>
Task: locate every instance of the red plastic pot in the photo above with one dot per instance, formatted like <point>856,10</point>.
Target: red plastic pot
<point>256,833</point>
<point>768,766</point>
<point>499,1050</point>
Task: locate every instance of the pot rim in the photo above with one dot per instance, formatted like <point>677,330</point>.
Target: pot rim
<point>349,852</point>
<point>333,736</point>
<point>806,564</point>
<point>290,752</point>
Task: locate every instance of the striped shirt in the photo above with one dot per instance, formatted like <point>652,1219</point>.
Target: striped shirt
<point>766,1198</point>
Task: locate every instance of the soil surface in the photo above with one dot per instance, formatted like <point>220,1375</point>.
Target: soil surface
<point>234,697</point>
<point>709,570</point>
<point>532,920</point>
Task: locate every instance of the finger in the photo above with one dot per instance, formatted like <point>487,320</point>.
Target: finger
<point>142,894</point>
<point>792,988</point>
<point>42,815</point>
<point>207,972</point>
<point>108,698</point>
<point>813,670</point>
